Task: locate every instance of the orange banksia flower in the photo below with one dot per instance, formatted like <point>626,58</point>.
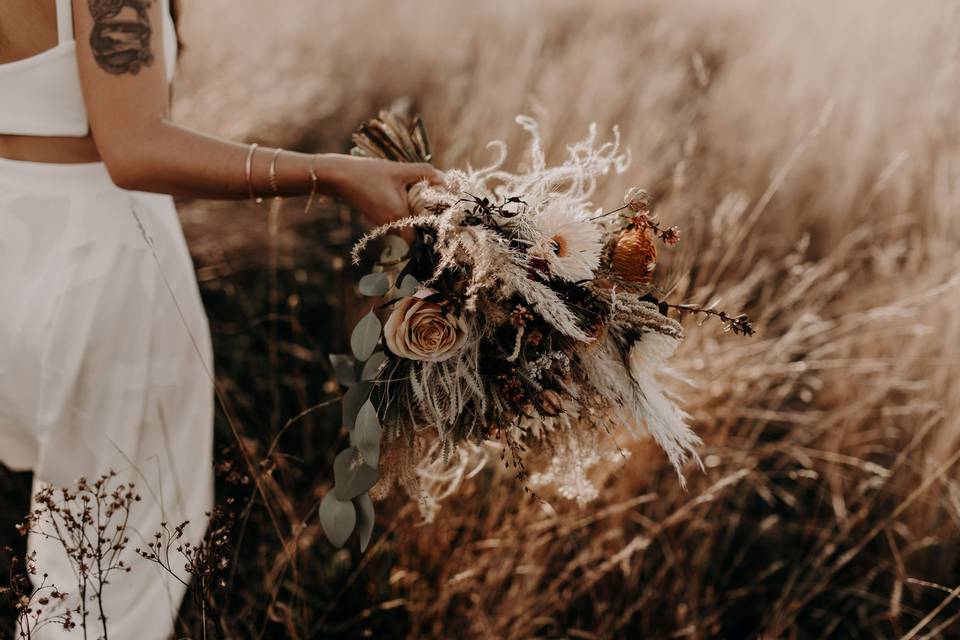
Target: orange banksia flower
<point>635,255</point>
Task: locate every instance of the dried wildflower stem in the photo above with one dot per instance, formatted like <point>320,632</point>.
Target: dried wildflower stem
<point>609,213</point>
<point>670,235</point>
<point>204,561</point>
<point>644,220</point>
<point>738,324</point>
<point>28,603</point>
<point>90,522</point>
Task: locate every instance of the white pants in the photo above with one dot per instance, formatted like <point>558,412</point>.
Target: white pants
<point>105,364</point>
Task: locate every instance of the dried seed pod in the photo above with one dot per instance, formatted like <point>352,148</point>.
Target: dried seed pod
<point>635,255</point>
<point>637,200</point>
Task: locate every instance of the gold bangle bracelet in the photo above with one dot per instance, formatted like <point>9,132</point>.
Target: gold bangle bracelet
<point>314,185</point>
<point>273,172</point>
<point>249,171</point>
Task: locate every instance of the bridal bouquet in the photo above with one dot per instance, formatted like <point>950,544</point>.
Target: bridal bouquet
<point>519,313</point>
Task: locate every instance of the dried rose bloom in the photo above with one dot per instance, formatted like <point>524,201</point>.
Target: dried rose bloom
<point>421,330</point>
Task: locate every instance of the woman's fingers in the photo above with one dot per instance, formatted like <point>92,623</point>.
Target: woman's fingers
<point>380,188</point>
<point>419,172</point>
<point>391,205</point>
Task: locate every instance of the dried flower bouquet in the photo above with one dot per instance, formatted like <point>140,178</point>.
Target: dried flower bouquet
<point>518,313</point>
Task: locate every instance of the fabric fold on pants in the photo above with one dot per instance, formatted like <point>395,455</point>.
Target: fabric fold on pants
<point>105,364</point>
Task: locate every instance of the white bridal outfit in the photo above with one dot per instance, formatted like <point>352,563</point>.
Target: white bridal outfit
<point>105,354</point>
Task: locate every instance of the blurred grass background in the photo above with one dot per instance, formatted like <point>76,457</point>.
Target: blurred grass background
<point>811,154</point>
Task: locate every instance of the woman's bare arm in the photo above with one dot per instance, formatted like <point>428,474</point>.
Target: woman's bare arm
<point>120,55</point>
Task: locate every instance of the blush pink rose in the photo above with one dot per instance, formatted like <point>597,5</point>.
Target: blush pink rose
<point>421,330</point>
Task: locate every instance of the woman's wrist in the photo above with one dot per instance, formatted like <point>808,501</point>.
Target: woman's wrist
<point>330,172</point>
<point>274,172</point>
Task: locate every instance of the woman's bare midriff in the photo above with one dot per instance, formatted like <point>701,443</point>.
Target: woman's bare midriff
<point>58,150</point>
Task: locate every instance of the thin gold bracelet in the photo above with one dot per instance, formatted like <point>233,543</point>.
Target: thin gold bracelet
<point>314,185</point>
<point>273,173</point>
<point>249,170</point>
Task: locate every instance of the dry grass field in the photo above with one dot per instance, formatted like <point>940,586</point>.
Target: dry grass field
<point>810,151</point>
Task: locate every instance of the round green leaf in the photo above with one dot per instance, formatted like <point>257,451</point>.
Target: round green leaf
<point>365,518</point>
<point>367,434</point>
<point>372,366</point>
<point>353,399</point>
<point>374,284</point>
<point>396,248</point>
<point>365,336</point>
<point>338,519</point>
<point>408,286</point>
<point>344,366</point>
<point>352,476</point>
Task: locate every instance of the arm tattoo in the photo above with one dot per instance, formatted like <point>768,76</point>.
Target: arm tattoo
<point>121,35</point>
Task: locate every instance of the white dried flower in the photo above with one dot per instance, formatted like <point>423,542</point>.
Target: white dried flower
<point>568,241</point>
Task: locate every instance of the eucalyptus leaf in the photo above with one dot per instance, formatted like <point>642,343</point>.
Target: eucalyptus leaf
<point>396,249</point>
<point>365,519</point>
<point>408,286</point>
<point>353,399</point>
<point>372,366</point>
<point>345,368</point>
<point>407,268</point>
<point>352,477</point>
<point>365,336</point>
<point>338,519</point>
<point>367,434</point>
<point>374,284</point>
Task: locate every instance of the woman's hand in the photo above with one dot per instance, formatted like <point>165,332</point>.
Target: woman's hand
<point>378,188</point>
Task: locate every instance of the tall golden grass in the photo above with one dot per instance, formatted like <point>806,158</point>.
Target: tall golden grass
<point>811,153</point>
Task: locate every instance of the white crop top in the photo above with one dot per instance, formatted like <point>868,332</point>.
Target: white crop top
<point>41,96</point>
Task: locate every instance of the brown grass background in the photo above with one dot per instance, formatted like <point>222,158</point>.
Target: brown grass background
<point>810,151</point>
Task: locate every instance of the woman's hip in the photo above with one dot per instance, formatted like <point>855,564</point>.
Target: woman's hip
<point>90,276</point>
<point>72,217</point>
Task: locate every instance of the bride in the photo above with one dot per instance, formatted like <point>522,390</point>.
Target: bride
<point>105,357</point>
